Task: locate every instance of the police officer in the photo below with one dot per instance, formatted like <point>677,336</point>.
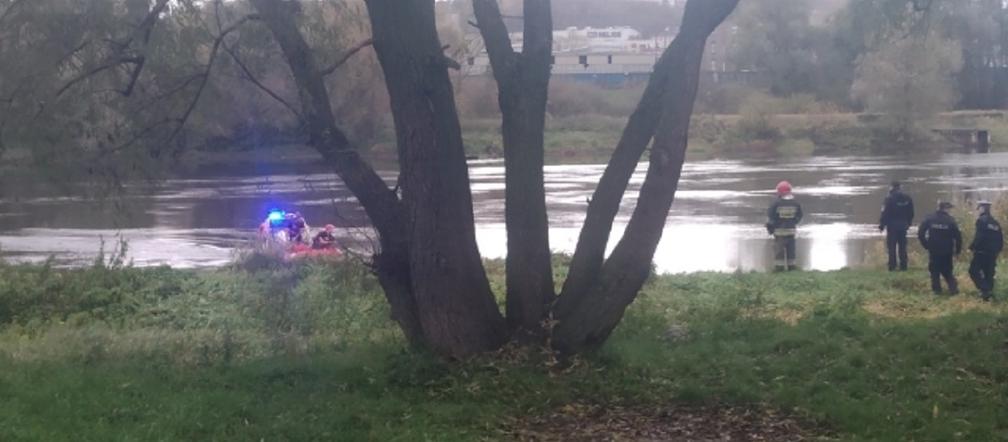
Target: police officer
<point>897,217</point>
<point>986,247</point>
<point>783,218</point>
<point>940,235</point>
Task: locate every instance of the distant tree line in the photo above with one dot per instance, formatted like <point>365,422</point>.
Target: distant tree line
<point>955,50</point>
<point>83,82</point>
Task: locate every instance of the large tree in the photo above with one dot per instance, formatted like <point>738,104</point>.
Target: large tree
<point>428,264</point>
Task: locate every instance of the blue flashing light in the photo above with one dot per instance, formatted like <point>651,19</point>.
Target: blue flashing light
<point>275,215</point>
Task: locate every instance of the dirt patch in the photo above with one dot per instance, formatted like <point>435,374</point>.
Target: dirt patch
<point>591,423</point>
<point>897,309</point>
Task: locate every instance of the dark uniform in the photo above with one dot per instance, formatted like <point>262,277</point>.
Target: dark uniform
<point>784,216</point>
<point>297,228</point>
<point>986,247</point>
<point>940,235</point>
<point>897,217</point>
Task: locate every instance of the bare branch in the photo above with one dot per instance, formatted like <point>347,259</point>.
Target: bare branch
<point>252,79</point>
<point>134,77</point>
<point>181,86</point>
<point>205,76</point>
<point>145,28</point>
<point>346,57</point>
<point>495,36</point>
<point>147,25</point>
<point>136,137</point>
<point>99,69</point>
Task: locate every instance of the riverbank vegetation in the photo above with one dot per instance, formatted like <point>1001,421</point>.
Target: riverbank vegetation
<point>766,97</point>
<point>590,138</point>
<point>271,351</point>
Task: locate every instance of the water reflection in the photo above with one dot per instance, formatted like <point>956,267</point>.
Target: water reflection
<point>715,224</point>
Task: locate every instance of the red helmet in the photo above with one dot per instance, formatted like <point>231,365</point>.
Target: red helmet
<point>783,188</point>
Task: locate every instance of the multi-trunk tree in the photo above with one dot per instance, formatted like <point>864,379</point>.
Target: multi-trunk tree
<point>429,264</point>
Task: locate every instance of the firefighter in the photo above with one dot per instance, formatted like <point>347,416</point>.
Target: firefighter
<point>783,218</point>
<point>326,239</point>
<point>986,247</point>
<point>897,217</point>
<point>940,235</point>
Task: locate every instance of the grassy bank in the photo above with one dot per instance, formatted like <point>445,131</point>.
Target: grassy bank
<point>591,138</point>
<point>306,353</point>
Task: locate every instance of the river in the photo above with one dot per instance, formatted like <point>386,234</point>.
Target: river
<point>716,223</point>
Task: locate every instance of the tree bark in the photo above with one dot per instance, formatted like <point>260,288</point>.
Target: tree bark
<point>523,87</point>
<point>456,307</point>
<point>588,316</point>
<point>380,203</point>
<point>589,255</point>
<point>430,266</point>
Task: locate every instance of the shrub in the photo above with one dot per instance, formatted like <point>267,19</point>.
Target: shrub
<point>568,98</point>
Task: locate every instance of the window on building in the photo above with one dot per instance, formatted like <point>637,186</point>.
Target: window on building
<point>593,34</point>
<point>583,59</point>
<point>617,34</point>
<point>610,59</point>
<point>471,61</point>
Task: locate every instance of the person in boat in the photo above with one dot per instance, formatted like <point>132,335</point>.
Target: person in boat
<point>326,239</point>
<point>297,228</point>
<point>275,222</point>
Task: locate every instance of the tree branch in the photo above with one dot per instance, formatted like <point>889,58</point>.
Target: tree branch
<point>346,57</point>
<point>495,36</point>
<point>598,291</point>
<point>136,137</point>
<point>523,88</point>
<point>97,70</point>
<point>181,86</point>
<point>205,76</point>
<point>252,79</point>
<point>383,207</point>
<point>145,28</point>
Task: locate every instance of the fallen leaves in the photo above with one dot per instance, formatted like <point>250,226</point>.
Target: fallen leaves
<point>591,423</point>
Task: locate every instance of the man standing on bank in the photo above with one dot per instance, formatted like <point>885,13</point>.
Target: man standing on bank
<point>897,217</point>
<point>940,235</point>
<point>784,215</point>
<point>986,247</point>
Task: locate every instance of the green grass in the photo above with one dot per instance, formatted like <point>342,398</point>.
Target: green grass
<point>307,353</point>
<point>592,137</point>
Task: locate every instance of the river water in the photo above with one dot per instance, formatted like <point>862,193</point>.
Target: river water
<point>716,223</point>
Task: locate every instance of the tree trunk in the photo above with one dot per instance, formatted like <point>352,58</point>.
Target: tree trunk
<point>589,254</point>
<point>588,316</point>
<point>523,87</point>
<point>430,266</point>
<point>456,307</point>
<point>380,203</point>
